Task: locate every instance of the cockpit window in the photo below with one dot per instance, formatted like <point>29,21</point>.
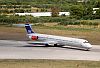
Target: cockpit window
<point>86,42</point>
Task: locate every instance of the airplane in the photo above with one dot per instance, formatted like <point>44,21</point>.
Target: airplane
<point>53,40</point>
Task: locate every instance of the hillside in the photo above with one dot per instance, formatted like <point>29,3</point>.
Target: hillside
<point>45,1</point>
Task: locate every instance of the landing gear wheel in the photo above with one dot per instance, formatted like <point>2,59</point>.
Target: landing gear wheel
<point>46,45</point>
<point>55,45</point>
<point>61,45</point>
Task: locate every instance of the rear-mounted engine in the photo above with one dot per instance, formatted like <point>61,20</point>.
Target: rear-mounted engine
<point>34,37</point>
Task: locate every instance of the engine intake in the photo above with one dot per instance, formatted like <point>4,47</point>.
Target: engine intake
<point>34,37</point>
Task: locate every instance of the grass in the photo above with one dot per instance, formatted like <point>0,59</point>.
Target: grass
<point>74,29</point>
<point>69,27</point>
<point>90,33</point>
<point>48,64</point>
<point>86,32</point>
<point>13,33</point>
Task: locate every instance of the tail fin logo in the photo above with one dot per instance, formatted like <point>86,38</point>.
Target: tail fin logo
<point>29,31</point>
<point>28,28</point>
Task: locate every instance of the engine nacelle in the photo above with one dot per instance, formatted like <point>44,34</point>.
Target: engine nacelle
<point>34,37</point>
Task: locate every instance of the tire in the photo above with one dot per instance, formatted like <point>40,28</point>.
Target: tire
<point>47,45</point>
<point>55,45</point>
<point>62,45</point>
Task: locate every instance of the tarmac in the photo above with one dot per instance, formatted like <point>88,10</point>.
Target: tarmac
<point>10,49</point>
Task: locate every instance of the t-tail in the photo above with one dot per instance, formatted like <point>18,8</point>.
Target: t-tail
<point>28,28</point>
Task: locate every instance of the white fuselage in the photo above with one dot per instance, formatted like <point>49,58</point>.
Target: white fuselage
<point>59,40</point>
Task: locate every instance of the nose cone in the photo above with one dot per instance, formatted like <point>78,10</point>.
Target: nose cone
<point>87,45</point>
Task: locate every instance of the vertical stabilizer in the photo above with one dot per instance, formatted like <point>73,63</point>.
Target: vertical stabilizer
<point>28,28</point>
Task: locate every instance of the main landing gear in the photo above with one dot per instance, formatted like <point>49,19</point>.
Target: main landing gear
<point>55,45</point>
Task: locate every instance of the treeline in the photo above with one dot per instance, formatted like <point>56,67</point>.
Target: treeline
<point>22,19</point>
<point>78,11</point>
<point>84,12</point>
<point>74,22</point>
<point>95,3</point>
<point>6,11</point>
<point>16,19</point>
<point>14,8</point>
<point>31,19</point>
<point>34,1</point>
<point>64,5</point>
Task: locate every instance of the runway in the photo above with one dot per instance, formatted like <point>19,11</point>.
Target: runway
<point>10,49</point>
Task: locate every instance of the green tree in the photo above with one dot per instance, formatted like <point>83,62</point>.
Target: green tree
<point>97,3</point>
<point>97,14</point>
<point>88,12</point>
<point>77,11</point>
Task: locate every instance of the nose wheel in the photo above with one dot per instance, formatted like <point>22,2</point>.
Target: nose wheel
<point>87,49</point>
<point>55,45</point>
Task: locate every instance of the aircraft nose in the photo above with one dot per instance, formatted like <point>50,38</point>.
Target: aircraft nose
<point>87,45</point>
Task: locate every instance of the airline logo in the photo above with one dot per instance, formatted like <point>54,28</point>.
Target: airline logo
<point>29,31</point>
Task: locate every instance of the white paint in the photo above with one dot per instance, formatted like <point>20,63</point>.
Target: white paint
<point>58,40</point>
<point>39,14</point>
